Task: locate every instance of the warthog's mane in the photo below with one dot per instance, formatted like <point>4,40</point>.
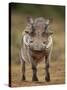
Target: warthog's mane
<point>39,20</point>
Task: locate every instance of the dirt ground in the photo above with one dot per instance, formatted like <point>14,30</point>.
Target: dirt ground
<point>57,74</point>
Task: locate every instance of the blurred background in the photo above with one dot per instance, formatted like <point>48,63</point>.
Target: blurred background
<point>19,12</point>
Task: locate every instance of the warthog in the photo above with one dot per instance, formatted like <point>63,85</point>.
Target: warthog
<point>36,46</point>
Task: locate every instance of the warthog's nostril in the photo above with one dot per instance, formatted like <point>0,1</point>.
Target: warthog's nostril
<point>44,42</point>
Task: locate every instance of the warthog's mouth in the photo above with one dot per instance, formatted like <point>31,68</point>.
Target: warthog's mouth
<point>37,52</point>
<point>37,55</point>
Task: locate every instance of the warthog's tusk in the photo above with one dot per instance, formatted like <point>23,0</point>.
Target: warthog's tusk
<point>25,40</point>
<point>49,42</point>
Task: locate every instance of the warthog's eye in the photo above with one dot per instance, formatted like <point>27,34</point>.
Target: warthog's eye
<point>31,41</point>
<point>32,34</point>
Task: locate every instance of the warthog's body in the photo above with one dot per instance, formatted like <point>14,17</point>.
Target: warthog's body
<point>36,46</point>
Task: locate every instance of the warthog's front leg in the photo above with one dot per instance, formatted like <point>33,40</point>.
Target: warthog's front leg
<point>47,76</point>
<point>23,70</point>
<point>34,78</point>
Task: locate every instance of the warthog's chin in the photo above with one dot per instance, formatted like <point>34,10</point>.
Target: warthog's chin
<point>37,50</point>
<point>37,54</point>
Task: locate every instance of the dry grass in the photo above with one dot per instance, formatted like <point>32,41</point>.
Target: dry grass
<point>57,65</point>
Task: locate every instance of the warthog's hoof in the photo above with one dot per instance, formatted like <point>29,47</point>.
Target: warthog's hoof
<point>34,79</point>
<point>47,78</point>
<point>23,78</point>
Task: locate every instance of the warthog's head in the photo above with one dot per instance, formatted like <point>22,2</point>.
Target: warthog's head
<point>38,33</point>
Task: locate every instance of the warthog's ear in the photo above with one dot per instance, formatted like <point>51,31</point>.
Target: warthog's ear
<point>48,21</point>
<point>30,20</point>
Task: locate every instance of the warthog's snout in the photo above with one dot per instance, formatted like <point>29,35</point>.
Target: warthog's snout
<point>37,46</point>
